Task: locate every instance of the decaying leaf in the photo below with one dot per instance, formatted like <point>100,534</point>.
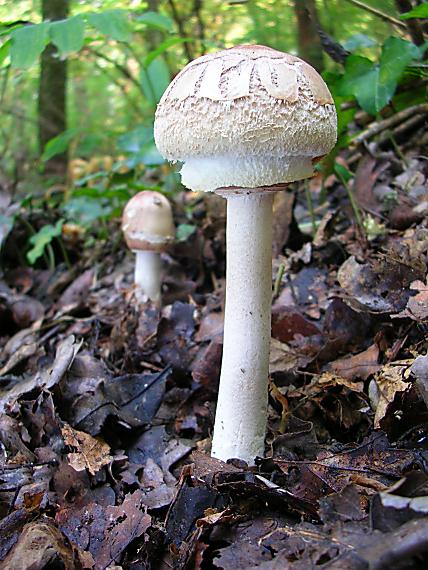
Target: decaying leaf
<point>284,359</point>
<point>420,370</point>
<point>382,284</point>
<point>417,306</point>
<point>91,454</point>
<point>46,378</point>
<point>41,545</point>
<point>105,531</point>
<point>387,383</point>
<point>358,366</point>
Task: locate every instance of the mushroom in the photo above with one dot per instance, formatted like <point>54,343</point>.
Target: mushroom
<point>148,228</point>
<point>245,122</point>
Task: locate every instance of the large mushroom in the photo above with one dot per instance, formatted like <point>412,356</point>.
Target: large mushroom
<point>245,122</point>
<point>148,228</point>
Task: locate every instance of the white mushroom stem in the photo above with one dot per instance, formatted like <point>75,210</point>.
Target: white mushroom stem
<point>240,421</point>
<point>147,274</point>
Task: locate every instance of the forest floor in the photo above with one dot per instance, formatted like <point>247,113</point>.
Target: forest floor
<point>107,404</point>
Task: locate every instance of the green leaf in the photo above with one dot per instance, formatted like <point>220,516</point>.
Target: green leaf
<point>112,23</point>
<point>358,41</point>
<point>395,57</point>
<point>86,210</point>
<point>357,67</point>
<point>68,35</point>
<point>342,172</point>
<point>155,79</point>
<point>6,30</point>
<point>151,156</point>
<point>4,50</point>
<point>43,238</point>
<point>156,20</point>
<point>418,12</point>
<point>58,144</point>
<point>162,47</point>
<point>373,85</point>
<point>134,141</point>
<point>184,231</point>
<point>28,43</point>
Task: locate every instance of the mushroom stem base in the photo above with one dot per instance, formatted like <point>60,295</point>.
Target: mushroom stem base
<point>240,422</point>
<point>147,274</point>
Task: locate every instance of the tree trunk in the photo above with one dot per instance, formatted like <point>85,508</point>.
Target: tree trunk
<point>309,43</point>
<point>52,90</point>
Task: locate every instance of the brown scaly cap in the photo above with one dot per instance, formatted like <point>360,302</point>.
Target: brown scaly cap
<point>247,100</point>
<point>147,222</point>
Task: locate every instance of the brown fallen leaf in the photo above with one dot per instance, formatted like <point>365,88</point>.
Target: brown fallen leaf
<point>41,545</point>
<point>284,359</point>
<point>420,372</point>
<point>76,293</point>
<point>27,349</point>
<point>381,285</point>
<point>91,453</point>
<point>388,382</point>
<point>46,378</point>
<point>361,365</point>
<point>105,532</point>
<point>417,306</point>
<point>323,382</point>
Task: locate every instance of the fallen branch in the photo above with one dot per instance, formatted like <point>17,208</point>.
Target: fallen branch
<point>379,126</point>
<point>402,128</point>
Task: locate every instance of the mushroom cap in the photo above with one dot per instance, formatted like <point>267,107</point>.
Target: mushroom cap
<point>248,116</point>
<point>147,222</point>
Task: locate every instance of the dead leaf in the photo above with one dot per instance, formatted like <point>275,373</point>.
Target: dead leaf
<point>76,293</point>
<point>156,444</point>
<point>46,378</point>
<point>91,454</point>
<point>382,284</point>
<point>10,529</point>
<point>420,370</point>
<point>105,531</point>
<point>361,365</point>
<point>283,358</point>
<point>417,306</point>
<point>41,545</point>
<point>389,381</point>
<point>366,176</point>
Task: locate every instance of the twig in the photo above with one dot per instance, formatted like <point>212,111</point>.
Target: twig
<point>123,70</point>
<point>354,204</point>
<point>390,135</point>
<point>388,123</point>
<point>116,81</point>
<point>14,466</point>
<point>278,279</point>
<point>379,14</point>
<point>197,6</point>
<point>365,470</point>
<point>182,32</point>
<point>405,126</point>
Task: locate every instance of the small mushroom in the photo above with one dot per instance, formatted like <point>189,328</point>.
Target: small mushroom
<point>148,227</point>
<point>245,122</point>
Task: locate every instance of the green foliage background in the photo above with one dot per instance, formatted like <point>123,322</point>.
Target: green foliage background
<point>121,57</point>
<point>102,102</point>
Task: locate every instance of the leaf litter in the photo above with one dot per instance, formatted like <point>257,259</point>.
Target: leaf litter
<point>108,402</point>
